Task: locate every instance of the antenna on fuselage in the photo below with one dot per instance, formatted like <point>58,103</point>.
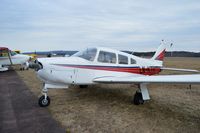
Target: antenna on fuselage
<point>171,45</point>
<point>132,52</point>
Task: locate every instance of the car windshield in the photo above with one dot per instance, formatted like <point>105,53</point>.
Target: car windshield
<point>88,54</point>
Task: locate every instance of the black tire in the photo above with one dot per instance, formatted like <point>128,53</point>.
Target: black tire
<point>137,99</point>
<point>42,102</point>
<point>83,86</point>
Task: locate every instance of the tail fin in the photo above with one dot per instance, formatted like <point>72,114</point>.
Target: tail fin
<point>160,53</point>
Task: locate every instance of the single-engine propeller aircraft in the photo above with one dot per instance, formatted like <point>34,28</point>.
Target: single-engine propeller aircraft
<point>9,58</point>
<point>103,65</point>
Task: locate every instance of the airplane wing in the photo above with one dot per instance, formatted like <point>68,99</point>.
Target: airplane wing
<point>192,79</point>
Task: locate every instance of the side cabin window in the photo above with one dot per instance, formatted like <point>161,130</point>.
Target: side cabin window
<point>133,61</point>
<point>122,59</point>
<point>107,57</point>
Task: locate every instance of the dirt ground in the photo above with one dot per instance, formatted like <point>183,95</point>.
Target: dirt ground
<point>107,108</point>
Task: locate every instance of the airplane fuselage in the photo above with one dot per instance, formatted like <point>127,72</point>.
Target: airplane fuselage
<point>16,60</point>
<point>79,71</point>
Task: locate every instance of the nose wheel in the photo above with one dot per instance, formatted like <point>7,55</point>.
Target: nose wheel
<point>44,102</point>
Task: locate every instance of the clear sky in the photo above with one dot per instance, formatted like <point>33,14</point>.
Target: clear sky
<point>137,25</point>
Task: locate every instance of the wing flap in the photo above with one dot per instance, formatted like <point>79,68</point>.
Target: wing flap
<point>192,79</point>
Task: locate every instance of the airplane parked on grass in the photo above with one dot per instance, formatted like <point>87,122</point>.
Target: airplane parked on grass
<point>103,65</point>
<point>9,58</point>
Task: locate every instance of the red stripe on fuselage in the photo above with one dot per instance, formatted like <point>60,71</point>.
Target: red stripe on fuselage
<point>135,70</point>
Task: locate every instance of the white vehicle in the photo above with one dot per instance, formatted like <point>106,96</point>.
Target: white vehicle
<point>103,65</point>
<point>9,58</point>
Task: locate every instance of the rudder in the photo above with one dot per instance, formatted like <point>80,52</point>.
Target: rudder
<point>160,53</point>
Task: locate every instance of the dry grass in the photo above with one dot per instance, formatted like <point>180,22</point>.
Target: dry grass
<point>107,108</point>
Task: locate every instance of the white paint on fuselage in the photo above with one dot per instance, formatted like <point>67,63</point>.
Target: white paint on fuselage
<point>16,59</point>
<point>55,70</point>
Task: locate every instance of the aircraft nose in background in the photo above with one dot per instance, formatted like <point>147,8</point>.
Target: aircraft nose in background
<point>28,58</point>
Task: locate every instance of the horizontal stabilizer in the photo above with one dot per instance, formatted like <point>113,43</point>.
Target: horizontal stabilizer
<point>182,70</point>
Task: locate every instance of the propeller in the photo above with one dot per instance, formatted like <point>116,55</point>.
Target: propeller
<point>35,65</point>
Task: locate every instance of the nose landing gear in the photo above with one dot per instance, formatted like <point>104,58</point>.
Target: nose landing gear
<point>44,100</point>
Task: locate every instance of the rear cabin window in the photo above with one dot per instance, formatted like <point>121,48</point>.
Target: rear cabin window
<point>123,59</point>
<point>133,61</point>
<point>107,57</point>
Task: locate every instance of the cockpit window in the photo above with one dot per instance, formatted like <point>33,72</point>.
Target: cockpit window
<point>88,54</point>
<point>107,57</point>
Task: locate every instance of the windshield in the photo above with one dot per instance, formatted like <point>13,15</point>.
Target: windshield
<point>13,53</point>
<point>88,54</point>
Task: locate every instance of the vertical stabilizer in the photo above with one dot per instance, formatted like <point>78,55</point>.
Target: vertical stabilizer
<point>160,53</point>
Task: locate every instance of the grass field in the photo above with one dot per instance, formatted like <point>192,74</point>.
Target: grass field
<point>107,108</point>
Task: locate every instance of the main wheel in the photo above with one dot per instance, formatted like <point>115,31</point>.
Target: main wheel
<point>137,100</point>
<point>44,102</point>
<point>83,86</point>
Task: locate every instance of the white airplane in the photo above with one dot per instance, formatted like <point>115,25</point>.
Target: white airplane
<point>9,58</point>
<point>103,65</point>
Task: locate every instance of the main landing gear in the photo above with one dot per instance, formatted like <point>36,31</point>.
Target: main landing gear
<point>83,86</point>
<point>141,95</point>
<point>137,99</point>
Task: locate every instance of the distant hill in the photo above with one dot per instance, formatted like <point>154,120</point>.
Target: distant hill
<point>58,52</point>
<point>168,54</point>
<point>150,54</point>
